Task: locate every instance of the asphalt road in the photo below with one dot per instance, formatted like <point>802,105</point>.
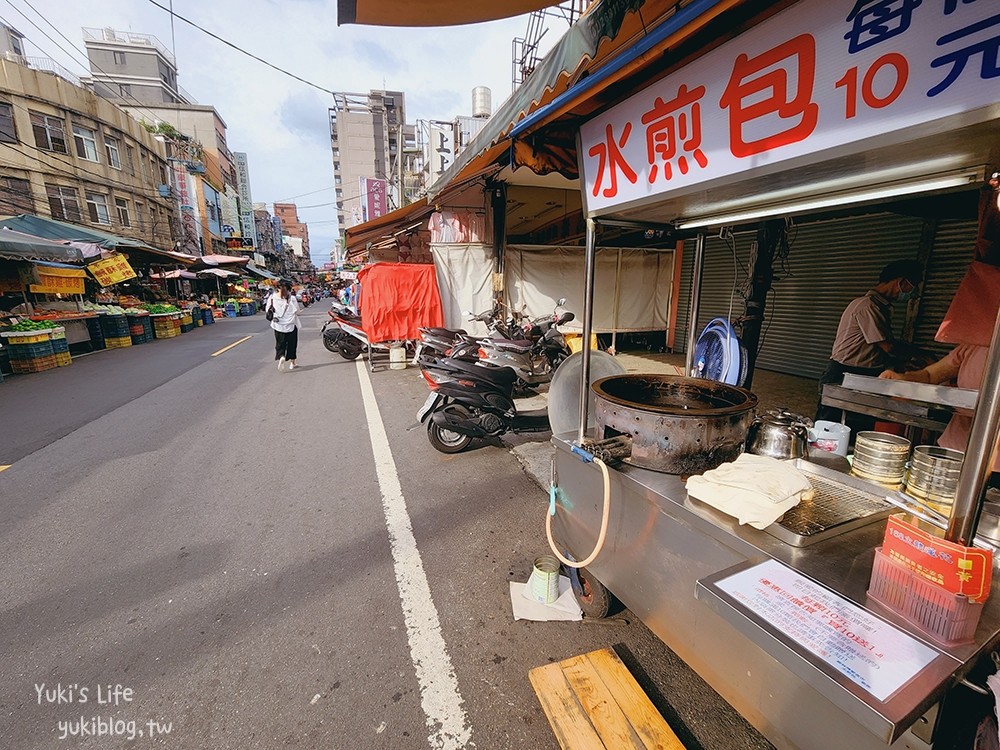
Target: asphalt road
<point>226,542</point>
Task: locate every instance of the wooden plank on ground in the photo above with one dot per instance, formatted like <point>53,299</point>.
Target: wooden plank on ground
<point>566,716</point>
<point>602,709</point>
<point>647,722</point>
<point>592,702</point>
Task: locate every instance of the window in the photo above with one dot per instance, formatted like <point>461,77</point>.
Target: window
<point>130,160</point>
<point>125,89</point>
<point>15,196</point>
<point>123,218</point>
<point>7,132</point>
<point>15,46</point>
<point>86,143</point>
<point>113,147</point>
<point>119,58</point>
<point>139,222</point>
<point>49,132</point>
<point>63,203</point>
<point>97,207</point>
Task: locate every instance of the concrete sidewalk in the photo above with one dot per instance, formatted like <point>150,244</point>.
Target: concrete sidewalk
<point>773,390</point>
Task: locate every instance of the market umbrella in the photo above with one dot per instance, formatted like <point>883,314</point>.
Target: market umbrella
<point>19,246</point>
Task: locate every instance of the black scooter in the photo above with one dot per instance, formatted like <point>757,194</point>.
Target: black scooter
<point>469,401</point>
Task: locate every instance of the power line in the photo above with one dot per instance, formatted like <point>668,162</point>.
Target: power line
<point>302,195</point>
<point>240,49</point>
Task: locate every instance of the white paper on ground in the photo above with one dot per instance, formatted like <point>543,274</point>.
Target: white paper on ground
<point>564,608</point>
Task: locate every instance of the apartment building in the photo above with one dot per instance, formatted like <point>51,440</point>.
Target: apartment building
<point>368,135</point>
<point>130,68</point>
<point>71,155</point>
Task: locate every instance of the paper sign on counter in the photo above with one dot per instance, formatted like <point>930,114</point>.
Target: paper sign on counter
<point>873,654</point>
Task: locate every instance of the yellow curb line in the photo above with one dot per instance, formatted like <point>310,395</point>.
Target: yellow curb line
<point>4,467</point>
<point>225,349</point>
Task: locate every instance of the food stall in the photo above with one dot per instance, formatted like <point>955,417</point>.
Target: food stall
<point>800,621</point>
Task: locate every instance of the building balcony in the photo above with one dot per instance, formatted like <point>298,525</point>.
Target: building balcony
<point>128,38</point>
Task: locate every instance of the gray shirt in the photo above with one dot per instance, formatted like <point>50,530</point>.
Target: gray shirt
<point>866,322</point>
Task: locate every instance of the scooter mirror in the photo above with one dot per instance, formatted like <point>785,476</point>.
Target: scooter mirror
<point>561,302</point>
<point>566,317</point>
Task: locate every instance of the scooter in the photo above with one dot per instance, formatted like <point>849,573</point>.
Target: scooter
<point>469,401</point>
<point>342,334</point>
<point>438,342</point>
<point>534,358</point>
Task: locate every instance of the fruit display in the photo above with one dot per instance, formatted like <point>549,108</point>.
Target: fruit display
<point>33,325</point>
<point>109,309</point>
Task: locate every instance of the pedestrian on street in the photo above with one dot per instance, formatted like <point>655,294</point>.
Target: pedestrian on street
<point>285,323</point>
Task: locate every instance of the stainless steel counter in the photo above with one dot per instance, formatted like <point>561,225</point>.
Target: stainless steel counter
<point>665,550</point>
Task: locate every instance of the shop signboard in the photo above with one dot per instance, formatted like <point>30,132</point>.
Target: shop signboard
<point>113,270</point>
<point>373,191</point>
<point>190,221</point>
<point>248,227</point>
<point>440,148</point>
<point>58,281</point>
<point>820,75</point>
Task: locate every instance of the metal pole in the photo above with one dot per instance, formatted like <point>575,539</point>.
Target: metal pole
<point>590,262</point>
<point>979,453</point>
<point>618,287</point>
<point>699,266</point>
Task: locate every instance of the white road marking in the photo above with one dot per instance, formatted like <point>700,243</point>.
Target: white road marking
<point>439,696</point>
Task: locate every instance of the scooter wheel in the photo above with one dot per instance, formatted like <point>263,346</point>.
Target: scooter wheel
<point>448,441</point>
<point>330,346</point>
<point>348,353</point>
<point>595,600</point>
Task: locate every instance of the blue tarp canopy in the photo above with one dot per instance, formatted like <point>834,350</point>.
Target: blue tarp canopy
<point>17,246</point>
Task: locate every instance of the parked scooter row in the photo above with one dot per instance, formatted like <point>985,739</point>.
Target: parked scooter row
<point>473,396</point>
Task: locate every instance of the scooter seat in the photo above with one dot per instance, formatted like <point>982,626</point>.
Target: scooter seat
<point>510,345</point>
<point>444,332</point>
<point>503,377</point>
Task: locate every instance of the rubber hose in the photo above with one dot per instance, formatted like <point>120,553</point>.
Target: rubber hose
<point>605,515</point>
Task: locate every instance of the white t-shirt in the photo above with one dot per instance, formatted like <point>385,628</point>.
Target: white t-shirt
<point>285,312</point>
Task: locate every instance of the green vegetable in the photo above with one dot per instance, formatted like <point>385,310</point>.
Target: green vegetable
<point>33,325</point>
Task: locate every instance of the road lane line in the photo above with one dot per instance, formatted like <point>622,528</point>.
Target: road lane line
<point>439,696</point>
<point>4,467</point>
<point>225,349</point>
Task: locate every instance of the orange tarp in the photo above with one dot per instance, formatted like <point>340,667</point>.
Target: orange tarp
<point>397,299</point>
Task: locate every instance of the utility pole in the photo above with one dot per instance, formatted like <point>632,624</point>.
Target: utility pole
<point>399,164</point>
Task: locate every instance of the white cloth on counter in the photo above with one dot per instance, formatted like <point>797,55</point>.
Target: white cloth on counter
<point>754,489</point>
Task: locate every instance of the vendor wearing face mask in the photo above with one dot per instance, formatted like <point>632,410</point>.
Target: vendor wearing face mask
<point>864,344</point>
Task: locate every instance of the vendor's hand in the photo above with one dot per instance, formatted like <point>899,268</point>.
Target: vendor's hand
<point>892,375</point>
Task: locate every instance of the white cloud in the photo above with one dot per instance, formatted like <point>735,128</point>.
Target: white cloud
<point>279,122</point>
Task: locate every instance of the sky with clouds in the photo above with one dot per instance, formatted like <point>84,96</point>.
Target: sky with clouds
<point>279,122</point>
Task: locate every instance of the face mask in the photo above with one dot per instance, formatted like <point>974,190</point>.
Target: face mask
<point>907,295</point>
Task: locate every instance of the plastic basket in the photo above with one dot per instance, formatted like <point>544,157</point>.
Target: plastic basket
<point>15,338</point>
<point>37,364</point>
<point>187,327</point>
<point>114,326</point>
<point>30,351</point>
<point>118,342</point>
<point>63,359</point>
<point>208,317</point>
<point>60,346</point>
<point>946,617</point>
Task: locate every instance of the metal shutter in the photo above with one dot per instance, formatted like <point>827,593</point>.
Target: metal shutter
<point>831,262</point>
<point>954,247</point>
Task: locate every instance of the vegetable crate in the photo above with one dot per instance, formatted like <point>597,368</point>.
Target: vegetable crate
<point>187,323</point>
<point>230,310</point>
<point>163,326</point>
<point>114,326</point>
<point>118,342</point>
<point>208,318</point>
<point>96,334</point>
<point>31,351</point>
<point>35,364</point>
<point>246,308</point>
<point>63,359</point>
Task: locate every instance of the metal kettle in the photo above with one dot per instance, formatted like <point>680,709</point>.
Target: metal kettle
<point>779,433</point>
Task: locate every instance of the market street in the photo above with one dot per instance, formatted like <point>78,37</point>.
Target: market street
<point>211,535</point>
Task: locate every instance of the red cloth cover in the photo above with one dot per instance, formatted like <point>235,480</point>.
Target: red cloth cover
<point>398,299</point>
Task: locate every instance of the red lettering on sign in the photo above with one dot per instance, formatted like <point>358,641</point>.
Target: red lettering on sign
<point>673,126</point>
<point>611,160</point>
<point>766,74</point>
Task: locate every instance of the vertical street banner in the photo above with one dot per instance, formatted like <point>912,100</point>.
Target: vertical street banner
<point>440,149</point>
<point>373,198</point>
<point>190,214</point>
<point>248,227</point>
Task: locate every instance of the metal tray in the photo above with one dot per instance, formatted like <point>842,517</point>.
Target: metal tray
<point>841,503</point>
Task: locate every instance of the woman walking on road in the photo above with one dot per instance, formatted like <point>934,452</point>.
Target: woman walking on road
<point>285,323</point>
